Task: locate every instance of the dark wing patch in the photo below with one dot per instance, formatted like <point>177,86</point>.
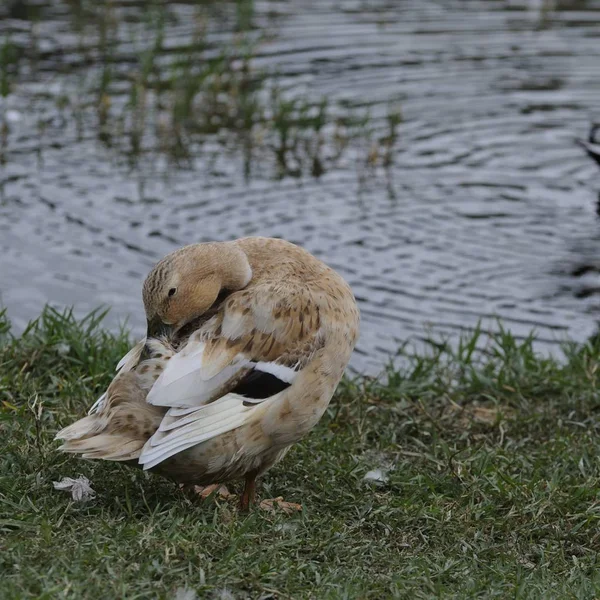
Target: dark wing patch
<point>258,385</point>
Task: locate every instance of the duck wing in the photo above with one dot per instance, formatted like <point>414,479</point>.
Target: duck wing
<point>246,355</point>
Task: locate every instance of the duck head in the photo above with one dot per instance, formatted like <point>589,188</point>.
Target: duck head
<point>187,282</point>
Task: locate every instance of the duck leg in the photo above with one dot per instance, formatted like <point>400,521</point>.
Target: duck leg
<point>249,493</point>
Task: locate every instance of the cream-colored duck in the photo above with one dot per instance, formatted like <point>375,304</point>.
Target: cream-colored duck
<point>246,343</point>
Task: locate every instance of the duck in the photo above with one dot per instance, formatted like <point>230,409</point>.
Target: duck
<point>592,144</point>
<point>246,342</point>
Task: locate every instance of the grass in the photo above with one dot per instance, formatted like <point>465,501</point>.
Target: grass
<point>493,490</point>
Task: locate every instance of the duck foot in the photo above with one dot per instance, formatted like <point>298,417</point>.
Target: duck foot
<point>204,491</point>
<point>271,504</point>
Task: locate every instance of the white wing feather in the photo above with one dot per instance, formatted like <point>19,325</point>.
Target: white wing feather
<point>195,416</point>
<point>204,423</point>
<point>182,383</point>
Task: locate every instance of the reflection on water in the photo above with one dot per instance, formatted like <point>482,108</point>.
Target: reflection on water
<point>476,203</point>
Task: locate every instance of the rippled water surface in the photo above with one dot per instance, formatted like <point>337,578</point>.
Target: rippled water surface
<point>483,206</point>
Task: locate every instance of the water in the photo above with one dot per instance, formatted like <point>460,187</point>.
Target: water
<point>487,210</point>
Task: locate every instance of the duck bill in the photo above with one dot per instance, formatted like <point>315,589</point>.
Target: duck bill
<point>156,328</point>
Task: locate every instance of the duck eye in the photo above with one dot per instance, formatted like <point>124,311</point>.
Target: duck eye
<point>172,292</point>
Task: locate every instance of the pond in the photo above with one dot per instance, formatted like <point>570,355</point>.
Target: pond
<point>425,149</point>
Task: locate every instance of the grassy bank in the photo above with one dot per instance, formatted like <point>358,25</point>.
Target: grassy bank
<point>492,490</point>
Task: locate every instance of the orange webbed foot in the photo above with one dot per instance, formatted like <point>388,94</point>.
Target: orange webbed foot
<point>272,504</point>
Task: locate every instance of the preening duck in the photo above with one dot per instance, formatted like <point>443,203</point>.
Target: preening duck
<point>246,343</point>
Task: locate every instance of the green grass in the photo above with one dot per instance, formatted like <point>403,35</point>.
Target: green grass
<point>492,456</point>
